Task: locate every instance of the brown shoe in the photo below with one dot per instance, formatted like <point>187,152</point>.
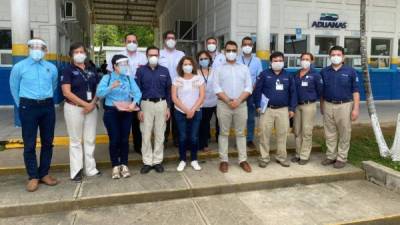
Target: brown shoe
<point>339,164</point>
<point>48,180</point>
<point>250,144</point>
<point>223,167</point>
<point>245,166</point>
<point>328,162</point>
<point>32,185</point>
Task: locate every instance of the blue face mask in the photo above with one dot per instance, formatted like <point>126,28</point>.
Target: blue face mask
<point>204,63</point>
<point>123,70</point>
<point>36,54</point>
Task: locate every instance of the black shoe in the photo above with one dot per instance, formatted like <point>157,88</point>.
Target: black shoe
<point>98,174</point>
<point>78,177</point>
<point>145,169</point>
<point>250,144</point>
<point>295,159</point>
<point>158,168</point>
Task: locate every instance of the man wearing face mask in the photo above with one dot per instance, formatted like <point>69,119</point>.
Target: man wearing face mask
<point>170,57</point>
<point>218,59</point>
<point>232,84</point>
<point>340,105</point>
<point>155,83</point>
<point>278,87</point>
<point>255,66</point>
<point>136,59</point>
<point>32,84</point>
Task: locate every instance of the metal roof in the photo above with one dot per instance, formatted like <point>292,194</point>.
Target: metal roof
<point>129,12</point>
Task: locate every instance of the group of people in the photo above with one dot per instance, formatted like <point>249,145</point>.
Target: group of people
<point>163,90</point>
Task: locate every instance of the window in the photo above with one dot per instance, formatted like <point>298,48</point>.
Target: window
<point>272,45</point>
<point>295,46</point>
<point>5,40</point>
<point>352,46</point>
<point>323,44</point>
<point>380,47</point>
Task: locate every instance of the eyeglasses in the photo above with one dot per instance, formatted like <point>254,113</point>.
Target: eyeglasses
<point>231,50</point>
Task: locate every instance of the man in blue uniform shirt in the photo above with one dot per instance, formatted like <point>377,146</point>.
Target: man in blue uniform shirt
<point>340,105</point>
<point>276,89</point>
<point>32,84</point>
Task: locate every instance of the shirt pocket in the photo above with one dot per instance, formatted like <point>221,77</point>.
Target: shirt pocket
<point>344,80</point>
<point>162,82</point>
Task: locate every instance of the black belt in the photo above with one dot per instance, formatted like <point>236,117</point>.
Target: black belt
<point>339,102</point>
<point>307,102</point>
<point>275,106</point>
<point>154,99</point>
<point>29,101</point>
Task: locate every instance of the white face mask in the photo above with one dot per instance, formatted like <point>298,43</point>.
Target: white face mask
<point>131,47</point>
<point>211,47</point>
<point>79,58</point>
<point>336,60</point>
<point>247,49</point>
<point>277,66</point>
<point>187,68</point>
<point>153,60</point>
<point>231,56</point>
<point>305,64</point>
<point>171,43</point>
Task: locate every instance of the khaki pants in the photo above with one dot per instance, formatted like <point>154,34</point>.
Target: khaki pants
<point>303,128</point>
<point>154,118</point>
<point>337,122</point>
<point>82,139</point>
<point>225,118</point>
<point>278,118</point>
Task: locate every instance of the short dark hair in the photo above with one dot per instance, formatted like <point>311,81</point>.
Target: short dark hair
<point>336,48</point>
<point>307,53</point>
<point>75,46</point>
<point>211,38</point>
<point>115,58</point>
<point>231,43</point>
<point>205,53</point>
<point>167,33</point>
<point>247,38</point>
<point>129,34</point>
<point>152,48</point>
<point>276,55</point>
<point>179,68</point>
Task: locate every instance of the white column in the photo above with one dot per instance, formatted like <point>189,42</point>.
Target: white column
<point>20,27</point>
<point>263,29</point>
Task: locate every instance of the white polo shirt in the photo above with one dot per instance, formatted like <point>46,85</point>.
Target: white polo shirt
<point>170,59</point>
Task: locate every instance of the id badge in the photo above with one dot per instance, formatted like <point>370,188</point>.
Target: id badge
<point>304,84</point>
<point>89,96</point>
<point>279,87</point>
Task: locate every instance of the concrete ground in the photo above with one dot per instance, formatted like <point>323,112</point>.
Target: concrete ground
<point>387,113</point>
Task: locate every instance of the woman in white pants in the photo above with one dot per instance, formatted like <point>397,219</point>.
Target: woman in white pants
<point>79,82</point>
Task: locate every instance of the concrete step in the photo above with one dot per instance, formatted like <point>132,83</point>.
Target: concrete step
<point>104,192</point>
<point>353,202</point>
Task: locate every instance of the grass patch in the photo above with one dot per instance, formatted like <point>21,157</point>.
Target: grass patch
<point>363,146</point>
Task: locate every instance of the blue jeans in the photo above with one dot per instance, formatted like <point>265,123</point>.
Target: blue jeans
<point>188,128</point>
<point>33,116</point>
<point>118,125</point>
<point>251,122</point>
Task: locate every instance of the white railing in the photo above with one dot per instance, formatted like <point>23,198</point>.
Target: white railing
<point>5,58</point>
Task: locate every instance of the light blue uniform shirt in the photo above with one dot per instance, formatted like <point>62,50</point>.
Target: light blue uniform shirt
<point>127,89</point>
<point>254,64</point>
<point>33,79</point>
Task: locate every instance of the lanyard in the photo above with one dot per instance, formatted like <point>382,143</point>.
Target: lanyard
<point>248,65</point>
<point>84,75</point>
<point>205,79</point>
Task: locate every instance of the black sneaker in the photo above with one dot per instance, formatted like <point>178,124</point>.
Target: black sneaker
<point>158,168</point>
<point>78,177</point>
<point>145,169</point>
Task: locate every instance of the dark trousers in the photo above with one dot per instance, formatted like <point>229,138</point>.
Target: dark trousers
<point>33,116</point>
<point>118,125</point>
<point>204,130</point>
<point>137,135</point>
<point>171,123</point>
<point>188,130</point>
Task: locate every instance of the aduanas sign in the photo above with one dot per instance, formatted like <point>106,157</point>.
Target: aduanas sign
<point>329,21</point>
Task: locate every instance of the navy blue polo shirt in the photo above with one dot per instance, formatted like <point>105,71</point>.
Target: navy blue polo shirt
<point>339,85</point>
<point>81,81</point>
<point>309,87</point>
<point>279,89</point>
<point>154,83</point>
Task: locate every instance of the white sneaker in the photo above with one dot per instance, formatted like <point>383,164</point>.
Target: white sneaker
<point>195,165</point>
<point>125,171</point>
<point>181,166</point>
<point>116,173</point>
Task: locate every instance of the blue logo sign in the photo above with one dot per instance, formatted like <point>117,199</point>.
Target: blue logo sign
<point>329,20</point>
